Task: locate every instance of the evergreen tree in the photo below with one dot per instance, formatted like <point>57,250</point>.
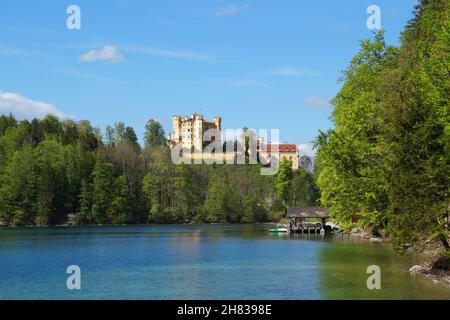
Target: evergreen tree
<point>154,134</point>
<point>52,186</point>
<point>18,188</point>
<point>7,122</point>
<point>84,216</point>
<point>416,124</point>
<point>283,180</point>
<point>119,212</point>
<point>130,136</point>
<point>102,188</point>
<point>50,169</point>
<point>151,191</point>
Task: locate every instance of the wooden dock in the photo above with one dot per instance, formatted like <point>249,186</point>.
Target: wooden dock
<point>300,220</point>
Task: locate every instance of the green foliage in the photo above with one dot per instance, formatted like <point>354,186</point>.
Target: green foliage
<point>222,201</point>
<point>283,180</point>
<point>102,189</point>
<point>118,212</point>
<point>18,186</point>
<point>154,134</point>
<point>7,122</point>
<point>84,215</point>
<point>151,190</point>
<point>254,210</point>
<point>121,134</point>
<point>349,160</point>
<point>50,169</point>
<point>52,184</point>
<point>304,191</point>
<point>417,115</point>
<point>386,163</point>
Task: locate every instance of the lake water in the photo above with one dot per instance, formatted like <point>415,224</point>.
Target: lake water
<point>200,262</point>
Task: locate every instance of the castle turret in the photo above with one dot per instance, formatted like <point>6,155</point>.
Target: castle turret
<point>176,121</point>
<point>197,132</point>
<point>218,123</point>
<point>190,130</point>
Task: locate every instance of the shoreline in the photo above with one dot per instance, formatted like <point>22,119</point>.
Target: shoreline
<point>130,225</point>
<point>427,252</point>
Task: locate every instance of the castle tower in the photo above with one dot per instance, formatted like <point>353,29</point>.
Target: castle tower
<point>176,122</point>
<point>190,130</point>
<point>218,123</point>
<point>197,132</point>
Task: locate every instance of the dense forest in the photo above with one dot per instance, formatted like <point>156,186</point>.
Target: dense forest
<point>386,164</point>
<point>54,171</point>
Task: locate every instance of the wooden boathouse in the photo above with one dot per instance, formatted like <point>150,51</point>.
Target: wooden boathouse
<point>300,219</point>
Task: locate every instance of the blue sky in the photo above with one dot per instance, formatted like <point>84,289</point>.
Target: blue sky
<point>261,64</point>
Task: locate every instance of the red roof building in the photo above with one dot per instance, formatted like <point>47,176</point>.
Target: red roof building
<point>285,151</point>
<point>283,147</point>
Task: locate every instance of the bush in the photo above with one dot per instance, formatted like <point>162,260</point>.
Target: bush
<point>20,218</point>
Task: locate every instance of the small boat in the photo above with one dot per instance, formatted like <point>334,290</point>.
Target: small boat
<point>279,230</point>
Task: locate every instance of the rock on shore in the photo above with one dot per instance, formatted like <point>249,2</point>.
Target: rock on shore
<point>415,269</point>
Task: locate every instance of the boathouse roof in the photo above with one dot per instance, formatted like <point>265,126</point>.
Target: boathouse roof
<point>307,212</point>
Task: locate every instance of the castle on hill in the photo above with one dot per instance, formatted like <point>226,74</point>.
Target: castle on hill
<point>189,132</point>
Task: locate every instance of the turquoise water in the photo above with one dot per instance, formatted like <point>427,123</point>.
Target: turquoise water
<point>200,262</point>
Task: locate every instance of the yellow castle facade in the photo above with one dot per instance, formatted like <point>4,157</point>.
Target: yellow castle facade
<point>190,130</point>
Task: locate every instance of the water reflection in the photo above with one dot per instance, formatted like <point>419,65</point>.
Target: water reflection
<point>199,262</point>
<point>343,273</point>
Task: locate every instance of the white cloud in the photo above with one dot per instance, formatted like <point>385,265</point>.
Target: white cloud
<point>316,101</point>
<point>107,53</point>
<point>167,53</point>
<point>307,149</point>
<point>25,108</point>
<point>291,71</point>
<point>231,10</point>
